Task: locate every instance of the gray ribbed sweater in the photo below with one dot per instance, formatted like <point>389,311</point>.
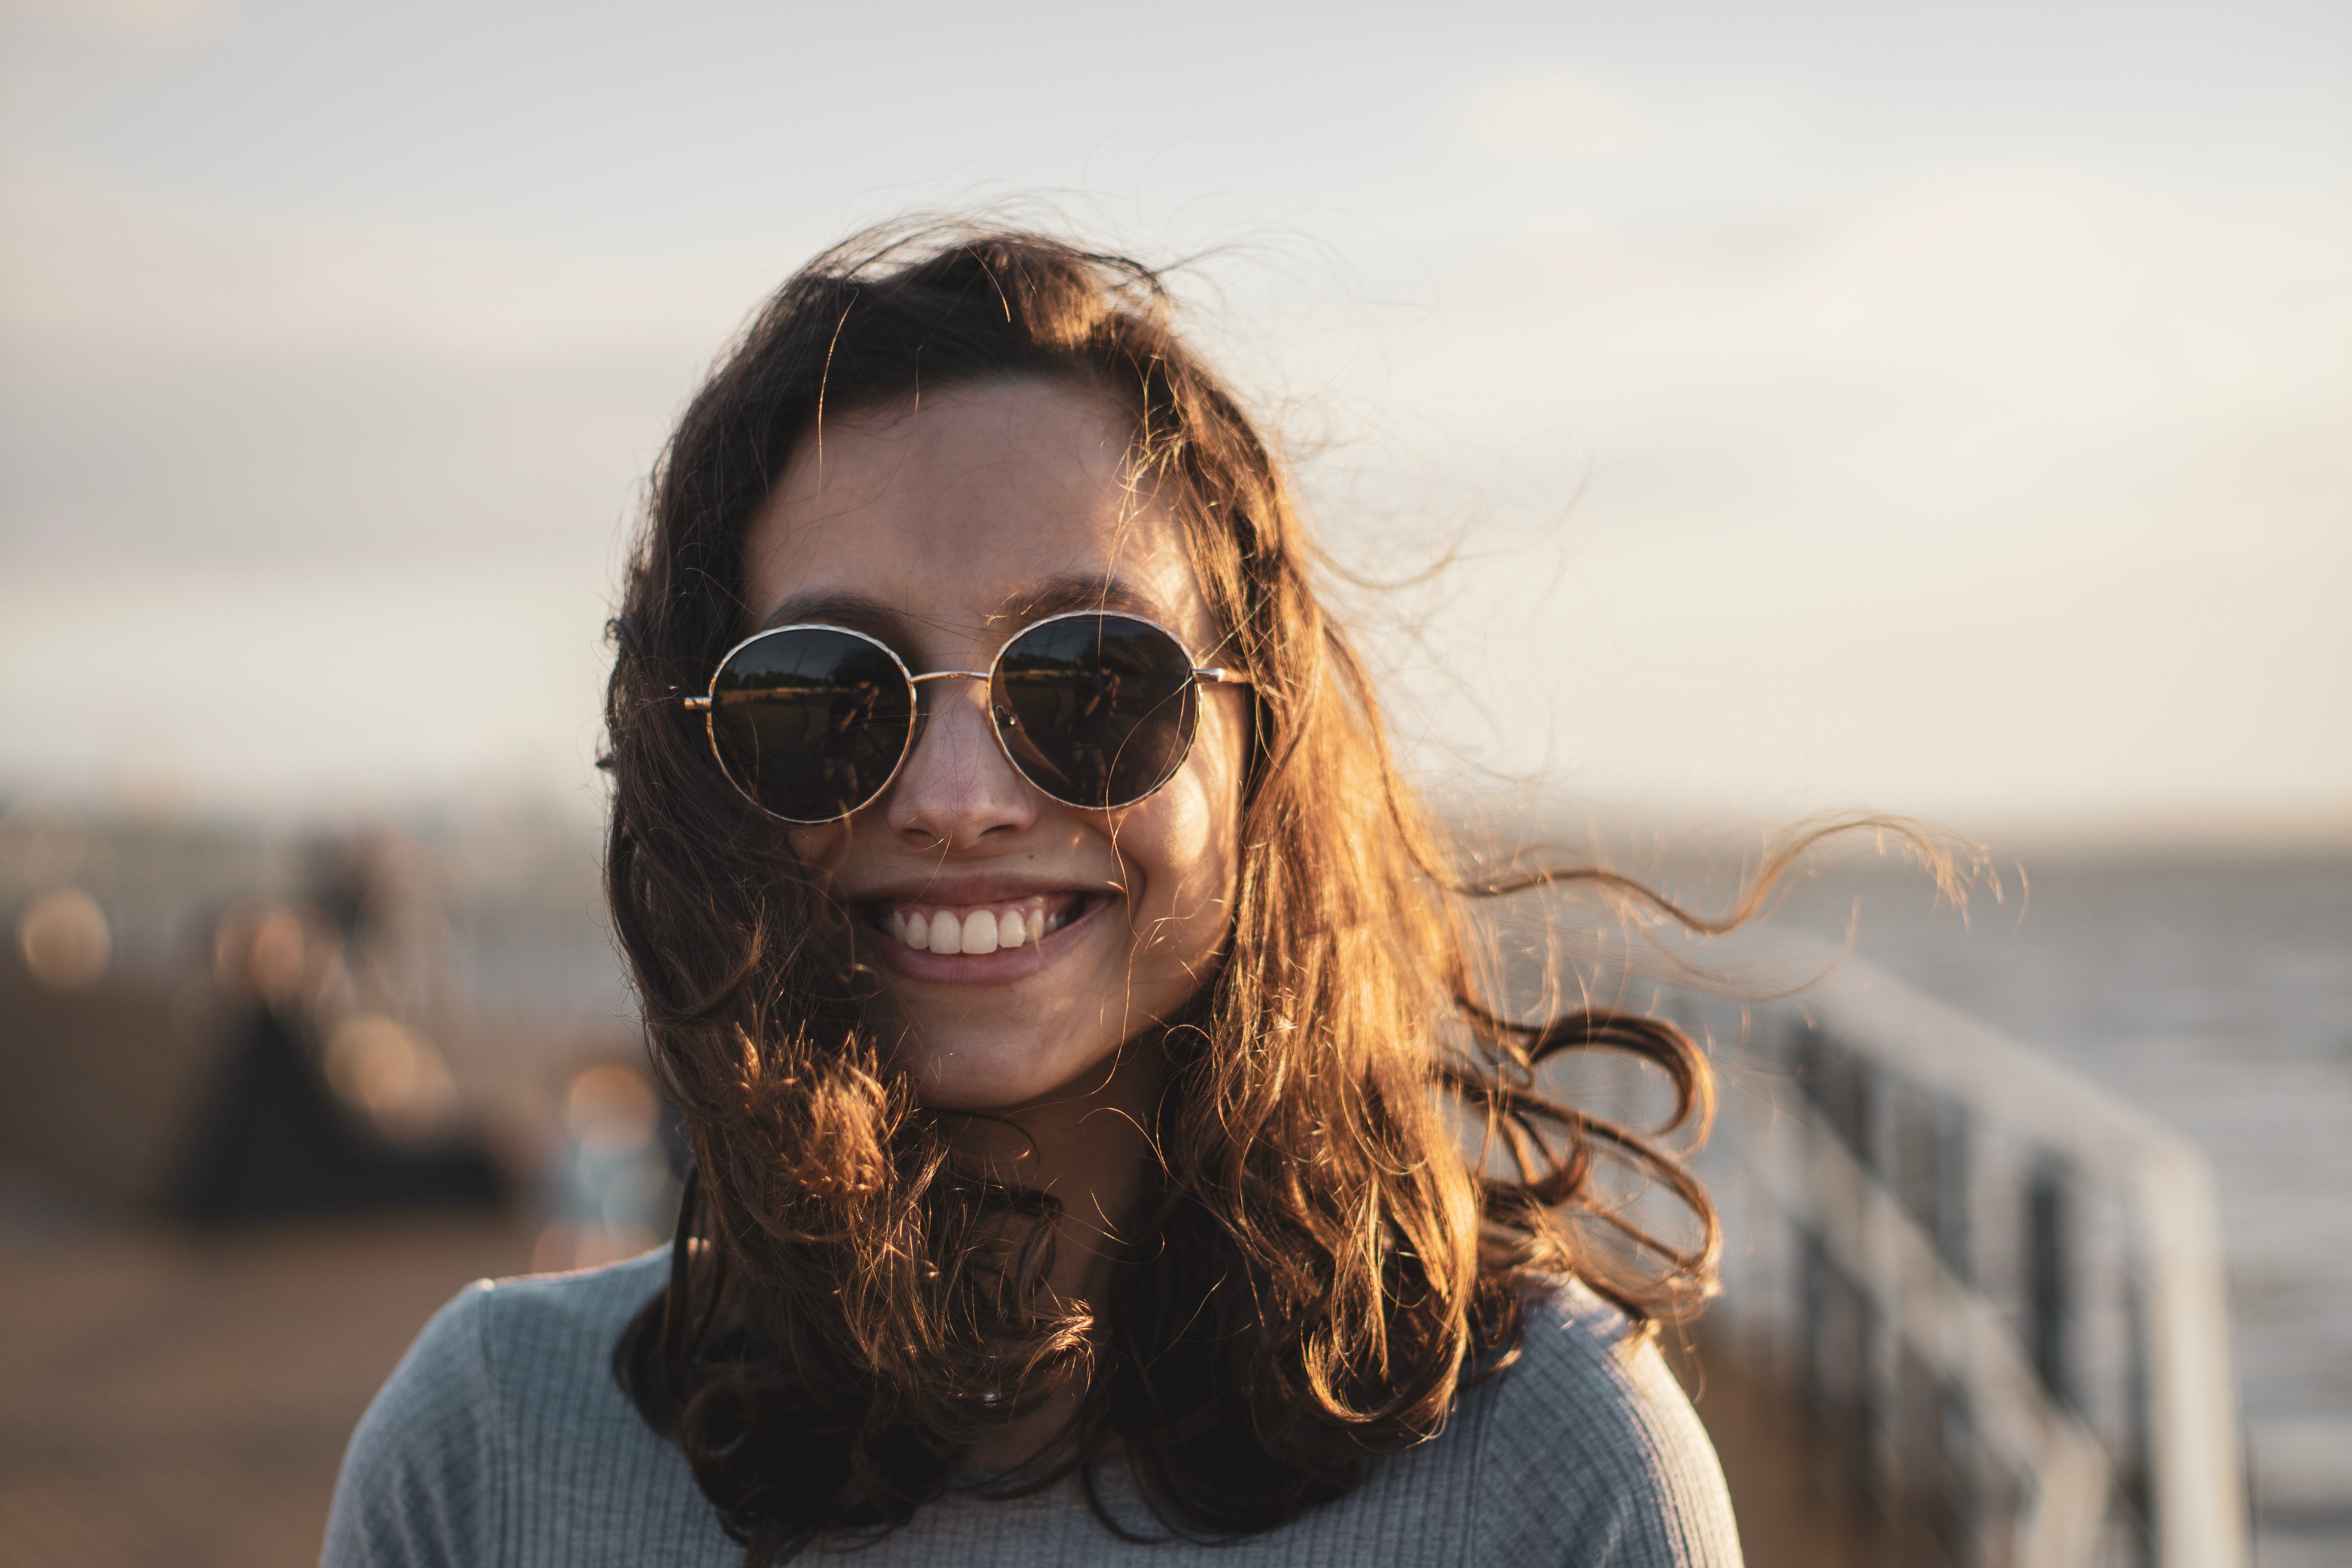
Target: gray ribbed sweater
<point>503,1439</point>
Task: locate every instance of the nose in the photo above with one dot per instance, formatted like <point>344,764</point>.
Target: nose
<point>956,789</point>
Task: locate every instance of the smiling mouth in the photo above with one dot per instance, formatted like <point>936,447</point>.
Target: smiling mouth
<point>981,927</point>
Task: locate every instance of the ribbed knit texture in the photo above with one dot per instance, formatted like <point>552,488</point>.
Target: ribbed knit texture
<point>502,1439</point>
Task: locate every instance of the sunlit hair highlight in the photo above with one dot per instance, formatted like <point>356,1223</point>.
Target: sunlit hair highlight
<point>1361,1180</point>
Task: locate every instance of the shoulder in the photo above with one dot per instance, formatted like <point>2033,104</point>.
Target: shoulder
<point>539,1330</point>
<point>508,1375</point>
<point>1588,1452</point>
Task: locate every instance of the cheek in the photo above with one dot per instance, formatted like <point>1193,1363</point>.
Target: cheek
<point>1191,839</point>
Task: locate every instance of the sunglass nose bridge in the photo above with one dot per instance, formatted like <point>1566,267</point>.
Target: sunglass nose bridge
<point>925,709</point>
<point>916,682</point>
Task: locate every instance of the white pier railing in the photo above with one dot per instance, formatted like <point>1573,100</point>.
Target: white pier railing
<point>1997,1289</point>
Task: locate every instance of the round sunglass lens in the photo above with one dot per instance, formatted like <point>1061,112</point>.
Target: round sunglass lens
<point>810,722</point>
<point>1101,707</point>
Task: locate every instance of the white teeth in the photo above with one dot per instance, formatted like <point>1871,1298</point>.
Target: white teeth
<point>977,930</point>
<point>946,933</point>
<point>980,931</point>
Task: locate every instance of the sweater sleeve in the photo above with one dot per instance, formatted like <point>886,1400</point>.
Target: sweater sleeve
<point>418,1488</point>
<point>1592,1458</point>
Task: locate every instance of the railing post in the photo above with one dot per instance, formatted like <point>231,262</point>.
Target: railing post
<point>1955,1444</point>
<point>2135,1475</point>
<point>1953,1232</point>
<point>2048,1304</point>
<point>1812,1318</point>
<point>2196,1482</point>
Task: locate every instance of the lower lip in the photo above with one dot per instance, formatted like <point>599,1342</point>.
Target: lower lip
<point>1002,967</point>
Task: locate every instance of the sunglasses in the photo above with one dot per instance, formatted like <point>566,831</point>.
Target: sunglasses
<point>812,722</point>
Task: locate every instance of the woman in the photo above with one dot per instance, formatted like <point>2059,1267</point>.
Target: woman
<point>1072,1025</point>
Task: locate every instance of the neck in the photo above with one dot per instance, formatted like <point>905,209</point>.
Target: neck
<point>1085,1145</point>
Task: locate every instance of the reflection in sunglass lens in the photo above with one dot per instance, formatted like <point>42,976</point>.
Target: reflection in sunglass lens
<point>809,722</point>
<point>1100,707</point>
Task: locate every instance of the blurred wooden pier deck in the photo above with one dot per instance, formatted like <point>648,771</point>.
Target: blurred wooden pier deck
<point>182,1399</point>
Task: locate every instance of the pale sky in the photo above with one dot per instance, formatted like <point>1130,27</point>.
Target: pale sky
<point>1833,404</point>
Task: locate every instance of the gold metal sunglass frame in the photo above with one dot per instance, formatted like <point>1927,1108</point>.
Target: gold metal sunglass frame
<point>707,705</point>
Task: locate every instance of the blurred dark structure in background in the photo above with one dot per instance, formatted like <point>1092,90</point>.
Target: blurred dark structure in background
<point>273,1141</point>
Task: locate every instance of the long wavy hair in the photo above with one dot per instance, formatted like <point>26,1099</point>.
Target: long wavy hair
<point>1359,1181</point>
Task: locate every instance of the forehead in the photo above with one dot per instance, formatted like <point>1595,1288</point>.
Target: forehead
<point>961,515</point>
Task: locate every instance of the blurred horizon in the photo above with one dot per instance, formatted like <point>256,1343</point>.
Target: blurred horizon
<point>494,805</point>
<point>1934,414</point>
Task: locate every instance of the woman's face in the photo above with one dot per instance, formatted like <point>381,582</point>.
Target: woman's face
<point>942,527</point>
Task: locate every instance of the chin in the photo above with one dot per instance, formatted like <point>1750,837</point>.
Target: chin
<point>984,1076</point>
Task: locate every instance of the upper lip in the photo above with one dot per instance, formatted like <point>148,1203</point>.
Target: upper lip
<point>961,889</point>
